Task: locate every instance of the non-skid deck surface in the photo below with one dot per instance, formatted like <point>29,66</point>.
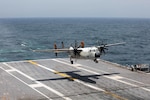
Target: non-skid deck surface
<point>57,79</point>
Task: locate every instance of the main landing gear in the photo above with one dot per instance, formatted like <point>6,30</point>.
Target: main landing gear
<point>95,60</point>
<point>71,61</point>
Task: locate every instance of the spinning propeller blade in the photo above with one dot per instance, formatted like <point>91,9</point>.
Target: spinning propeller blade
<point>102,47</point>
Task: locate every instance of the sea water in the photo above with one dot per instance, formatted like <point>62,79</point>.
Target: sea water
<point>19,36</point>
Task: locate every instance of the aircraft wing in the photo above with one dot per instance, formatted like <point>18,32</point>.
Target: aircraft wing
<point>108,45</point>
<point>53,50</point>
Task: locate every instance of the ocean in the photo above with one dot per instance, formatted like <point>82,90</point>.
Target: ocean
<point>19,35</point>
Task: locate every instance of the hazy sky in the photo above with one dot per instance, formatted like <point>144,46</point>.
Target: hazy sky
<point>75,8</point>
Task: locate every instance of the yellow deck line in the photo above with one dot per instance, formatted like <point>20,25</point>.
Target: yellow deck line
<point>55,72</point>
<point>32,62</point>
<point>114,95</point>
<point>65,75</point>
<point>71,78</point>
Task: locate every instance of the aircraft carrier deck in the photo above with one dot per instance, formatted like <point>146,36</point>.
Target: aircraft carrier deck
<point>57,79</point>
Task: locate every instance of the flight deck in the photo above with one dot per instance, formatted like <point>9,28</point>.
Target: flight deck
<point>57,79</point>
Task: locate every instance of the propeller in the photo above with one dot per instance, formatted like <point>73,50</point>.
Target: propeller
<point>102,47</point>
<point>76,51</point>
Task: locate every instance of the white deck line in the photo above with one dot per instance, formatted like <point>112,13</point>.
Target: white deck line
<point>110,77</point>
<point>38,83</point>
<point>26,84</point>
<point>53,71</point>
<point>81,82</point>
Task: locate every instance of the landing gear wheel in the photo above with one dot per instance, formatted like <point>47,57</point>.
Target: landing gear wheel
<point>95,60</point>
<point>71,62</point>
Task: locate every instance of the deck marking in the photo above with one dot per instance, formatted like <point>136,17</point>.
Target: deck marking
<point>115,77</point>
<point>26,83</point>
<point>83,83</point>
<point>54,71</point>
<point>121,81</point>
<point>65,75</point>
<point>36,85</point>
<point>19,72</point>
<point>30,61</point>
<point>10,70</point>
<point>39,83</point>
<point>110,77</point>
<point>77,65</point>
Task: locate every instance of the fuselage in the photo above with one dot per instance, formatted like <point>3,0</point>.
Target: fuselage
<point>85,53</point>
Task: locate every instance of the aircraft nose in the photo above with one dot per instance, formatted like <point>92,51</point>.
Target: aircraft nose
<point>97,54</point>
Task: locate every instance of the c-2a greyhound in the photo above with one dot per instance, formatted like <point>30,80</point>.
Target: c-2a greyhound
<point>81,52</point>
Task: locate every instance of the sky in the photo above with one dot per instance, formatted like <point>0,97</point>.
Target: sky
<point>75,8</point>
